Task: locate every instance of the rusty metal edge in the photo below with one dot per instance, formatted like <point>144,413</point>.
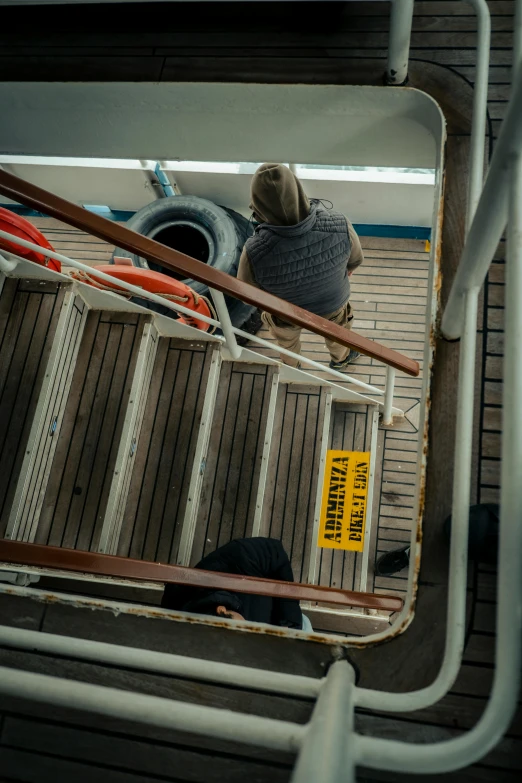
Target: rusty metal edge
<point>72,560</point>
<point>137,610</point>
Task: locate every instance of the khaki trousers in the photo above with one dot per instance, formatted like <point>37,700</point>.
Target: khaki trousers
<point>289,335</point>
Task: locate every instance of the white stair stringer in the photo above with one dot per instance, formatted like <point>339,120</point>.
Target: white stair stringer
<point>198,466</point>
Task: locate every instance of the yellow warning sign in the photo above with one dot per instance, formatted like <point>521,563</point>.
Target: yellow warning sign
<point>343,506</point>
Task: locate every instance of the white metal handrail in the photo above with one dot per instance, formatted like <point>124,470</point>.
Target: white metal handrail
<point>224,323</point>
<point>416,700</point>
<point>160,663</point>
<point>501,197</point>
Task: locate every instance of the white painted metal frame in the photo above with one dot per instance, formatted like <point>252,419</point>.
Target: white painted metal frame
<point>346,748</point>
<point>502,195</point>
<point>387,414</point>
<point>160,663</point>
<point>438,758</point>
<point>480,102</point>
<point>459,542</point>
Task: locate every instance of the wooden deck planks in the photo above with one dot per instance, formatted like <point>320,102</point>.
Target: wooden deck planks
<point>29,312</point>
<point>77,492</point>
<point>165,452</point>
<point>230,482</point>
<point>293,472</point>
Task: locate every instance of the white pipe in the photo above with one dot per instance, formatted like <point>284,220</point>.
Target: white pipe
<point>226,324</point>
<point>387,417</point>
<point>517,38</point>
<point>456,612</point>
<point>161,663</point>
<point>455,633</point>
<point>490,217</point>
<point>441,757</point>
<point>325,755</point>
<point>185,310</point>
<point>480,108</point>
<point>399,42</point>
<point>152,710</point>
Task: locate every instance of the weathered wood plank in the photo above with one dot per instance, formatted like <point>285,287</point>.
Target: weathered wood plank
<point>77,493</point>
<point>29,314</point>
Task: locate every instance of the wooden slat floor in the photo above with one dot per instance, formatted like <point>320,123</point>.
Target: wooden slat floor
<point>77,492</point>
<point>29,312</point>
<point>233,462</point>
<point>389,297</point>
<point>293,472</point>
<point>389,300</point>
<point>163,463</point>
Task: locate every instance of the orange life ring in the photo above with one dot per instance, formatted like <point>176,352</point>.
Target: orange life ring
<point>155,283</point>
<point>20,227</point>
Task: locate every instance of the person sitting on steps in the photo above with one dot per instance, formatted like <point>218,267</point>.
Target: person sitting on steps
<point>259,557</point>
<point>303,253</point>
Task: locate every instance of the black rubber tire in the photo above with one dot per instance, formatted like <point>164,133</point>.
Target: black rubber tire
<point>224,231</point>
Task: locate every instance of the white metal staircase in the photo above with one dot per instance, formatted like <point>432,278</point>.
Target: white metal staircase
<point>186,452</point>
<point>328,748</point>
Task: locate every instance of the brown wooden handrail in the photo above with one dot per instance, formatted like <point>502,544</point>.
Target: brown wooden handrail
<point>21,553</point>
<point>43,201</point>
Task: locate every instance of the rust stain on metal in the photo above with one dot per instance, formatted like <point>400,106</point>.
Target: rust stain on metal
<point>97,564</point>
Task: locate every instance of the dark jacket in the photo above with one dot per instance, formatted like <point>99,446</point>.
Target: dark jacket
<point>300,251</point>
<point>260,557</point>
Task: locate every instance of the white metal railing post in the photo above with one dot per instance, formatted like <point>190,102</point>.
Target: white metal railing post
<point>326,753</point>
<point>490,216</point>
<point>387,417</point>
<point>226,324</point>
<point>480,105</point>
<point>399,44</point>
<point>442,757</point>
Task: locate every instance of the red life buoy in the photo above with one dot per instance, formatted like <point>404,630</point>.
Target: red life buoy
<point>20,227</point>
<point>155,283</point>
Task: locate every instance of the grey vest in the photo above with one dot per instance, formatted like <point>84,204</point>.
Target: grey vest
<point>304,264</point>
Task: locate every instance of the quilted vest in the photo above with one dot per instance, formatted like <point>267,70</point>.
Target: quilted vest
<point>306,263</point>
